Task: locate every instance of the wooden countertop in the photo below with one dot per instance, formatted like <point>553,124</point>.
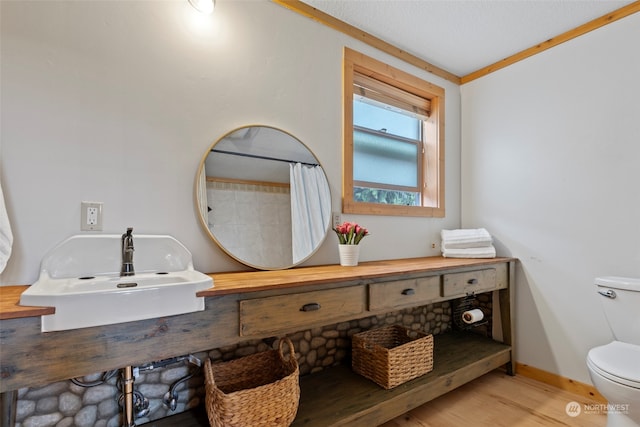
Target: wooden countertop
<point>252,281</point>
<point>9,308</point>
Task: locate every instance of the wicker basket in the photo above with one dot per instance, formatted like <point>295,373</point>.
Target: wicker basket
<point>389,356</point>
<point>261,389</point>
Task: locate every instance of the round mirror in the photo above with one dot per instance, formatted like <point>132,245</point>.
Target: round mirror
<point>263,197</point>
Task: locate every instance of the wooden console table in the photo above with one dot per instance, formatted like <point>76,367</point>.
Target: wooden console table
<point>262,304</point>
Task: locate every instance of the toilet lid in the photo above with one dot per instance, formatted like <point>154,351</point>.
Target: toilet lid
<point>618,361</point>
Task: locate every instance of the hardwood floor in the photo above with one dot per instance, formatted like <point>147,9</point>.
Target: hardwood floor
<point>494,399</point>
<point>497,399</point>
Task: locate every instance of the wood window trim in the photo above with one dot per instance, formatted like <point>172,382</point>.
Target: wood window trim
<point>433,159</point>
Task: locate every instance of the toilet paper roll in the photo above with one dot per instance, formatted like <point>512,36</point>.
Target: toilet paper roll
<point>472,316</point>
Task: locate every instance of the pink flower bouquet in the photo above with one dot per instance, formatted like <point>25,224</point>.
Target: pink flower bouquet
<point>350,233</point>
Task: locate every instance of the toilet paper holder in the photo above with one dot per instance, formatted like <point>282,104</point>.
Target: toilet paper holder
<point>468,314</point>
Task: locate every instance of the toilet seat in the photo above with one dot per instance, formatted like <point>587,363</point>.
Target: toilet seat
<point>618,362</point>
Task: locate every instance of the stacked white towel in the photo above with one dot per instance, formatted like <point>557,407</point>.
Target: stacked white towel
<point>467,243</point>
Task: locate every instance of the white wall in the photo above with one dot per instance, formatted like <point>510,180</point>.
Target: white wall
<point>551,166</point>
<point>117,101</point>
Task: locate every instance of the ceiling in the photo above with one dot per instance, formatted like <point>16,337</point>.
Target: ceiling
<point>463,36</point>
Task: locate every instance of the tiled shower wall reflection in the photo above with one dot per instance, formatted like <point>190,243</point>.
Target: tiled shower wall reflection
<point>240,212</point>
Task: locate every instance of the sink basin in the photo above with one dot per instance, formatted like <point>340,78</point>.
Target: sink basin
<point>81,278</point>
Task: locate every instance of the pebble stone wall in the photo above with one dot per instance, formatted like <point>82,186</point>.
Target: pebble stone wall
<point>66,404</point>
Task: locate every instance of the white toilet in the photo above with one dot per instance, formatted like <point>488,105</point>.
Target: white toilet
<point>615,368</point>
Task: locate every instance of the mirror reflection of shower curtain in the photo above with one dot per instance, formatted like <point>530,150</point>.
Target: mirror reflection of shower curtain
<point>310,209</point>
<point>202,196</point>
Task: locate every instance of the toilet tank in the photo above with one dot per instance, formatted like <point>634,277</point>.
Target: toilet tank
<point>620,298</point>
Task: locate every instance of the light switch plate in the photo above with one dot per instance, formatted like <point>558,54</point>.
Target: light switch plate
<point>91,216</point>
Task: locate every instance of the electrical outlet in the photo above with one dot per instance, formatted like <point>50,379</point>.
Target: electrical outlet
<point>336,219</point>
<point>91,216</point>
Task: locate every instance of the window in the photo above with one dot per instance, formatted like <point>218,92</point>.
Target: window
<point>393,142</point>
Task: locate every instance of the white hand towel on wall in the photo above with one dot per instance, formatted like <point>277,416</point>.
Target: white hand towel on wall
<point>6,237</point>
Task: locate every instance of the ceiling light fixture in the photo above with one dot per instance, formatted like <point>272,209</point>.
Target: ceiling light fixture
<point>203,6</point>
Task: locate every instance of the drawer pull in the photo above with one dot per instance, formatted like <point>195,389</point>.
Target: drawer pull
<point>409,291</point>
<point>472,281</point>
<point>310,307</point>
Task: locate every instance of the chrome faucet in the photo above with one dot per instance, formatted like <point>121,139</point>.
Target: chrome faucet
<point>127,254</point>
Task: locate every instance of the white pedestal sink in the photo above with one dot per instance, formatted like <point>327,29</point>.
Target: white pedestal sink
<point>81,278</point>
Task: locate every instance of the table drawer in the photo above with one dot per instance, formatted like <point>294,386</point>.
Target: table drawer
<point>469,282</point>
<point>403,293</point>
<point>270,315</point>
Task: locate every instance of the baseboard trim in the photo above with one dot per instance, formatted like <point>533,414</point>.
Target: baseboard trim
<point>585,390</point>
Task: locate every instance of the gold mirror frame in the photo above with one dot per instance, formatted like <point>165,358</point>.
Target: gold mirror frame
<point>248,165</point>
